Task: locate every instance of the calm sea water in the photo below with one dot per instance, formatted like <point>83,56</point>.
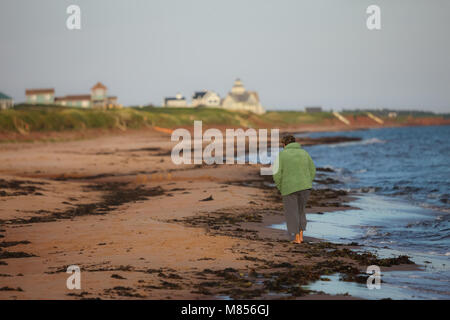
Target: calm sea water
<point>411,162</point>
<point>403,176</point>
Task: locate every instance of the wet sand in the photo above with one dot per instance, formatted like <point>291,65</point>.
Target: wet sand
<point>140,227</point>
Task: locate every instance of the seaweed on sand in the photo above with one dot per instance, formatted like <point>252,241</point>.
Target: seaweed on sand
<point>11,289</point>
<point>368,258</point>
<point>115,194</point>
<point>123,292</point>
<point>13,255</point>
<point>20,187</point>
<point>6,244</point>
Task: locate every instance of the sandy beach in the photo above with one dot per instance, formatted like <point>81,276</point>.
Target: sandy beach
<point>103,104</point>
<point>139,226</point>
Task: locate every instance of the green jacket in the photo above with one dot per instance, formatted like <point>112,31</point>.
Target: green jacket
<point>296,170</point>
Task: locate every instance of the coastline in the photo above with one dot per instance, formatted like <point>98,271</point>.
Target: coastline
<point>360,123</point>
<point>156,231</point>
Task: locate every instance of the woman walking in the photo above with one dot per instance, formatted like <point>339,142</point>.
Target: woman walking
<point>294,172</point>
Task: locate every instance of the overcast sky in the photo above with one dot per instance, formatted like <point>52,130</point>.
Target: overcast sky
<point>294,53</point>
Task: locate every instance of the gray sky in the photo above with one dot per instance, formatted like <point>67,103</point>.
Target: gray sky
<point>294,53</point>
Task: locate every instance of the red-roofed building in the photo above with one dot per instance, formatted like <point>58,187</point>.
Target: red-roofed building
<point>97,99</point>
<point>40,96</point>
<point>98,95</point>
<point>82,101</point>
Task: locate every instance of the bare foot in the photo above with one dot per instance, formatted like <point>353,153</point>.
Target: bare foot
<point>297,240</point>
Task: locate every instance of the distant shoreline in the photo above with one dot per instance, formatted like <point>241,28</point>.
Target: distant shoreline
<point>53,124</point>
<point>71,135</point>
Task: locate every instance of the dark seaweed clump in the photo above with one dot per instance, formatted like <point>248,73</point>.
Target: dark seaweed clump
<point>287,279</point>
<point>368,258</point>
<point>21,188</point>
<point>11,289</point>
<point>116,194</point>
<point>6,244</point>
<point>123,292</point>
<point>13,255</point>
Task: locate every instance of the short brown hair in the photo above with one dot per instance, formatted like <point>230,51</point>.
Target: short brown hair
<point>287,139</point>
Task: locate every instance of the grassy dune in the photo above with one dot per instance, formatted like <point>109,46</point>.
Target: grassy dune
<point>24,118</point>
<point>51,118</point>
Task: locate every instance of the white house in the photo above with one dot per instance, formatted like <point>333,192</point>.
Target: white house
<point>239,99</point>
<point>205,98</point>
<point>178,101</point>
<point>6,102</point>
<point>40,96</point>
<point>81,100</point>
<point>392,115</point>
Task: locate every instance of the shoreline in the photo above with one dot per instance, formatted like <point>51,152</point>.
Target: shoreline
<point>79,203</point>
<point>12,138</point>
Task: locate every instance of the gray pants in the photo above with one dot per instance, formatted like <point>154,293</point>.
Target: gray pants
<point>294,210</point>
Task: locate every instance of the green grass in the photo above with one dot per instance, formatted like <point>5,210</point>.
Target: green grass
<point>52,118</point>
<point>294,117</point>
<point>175,117</point>
<point>25,118</point>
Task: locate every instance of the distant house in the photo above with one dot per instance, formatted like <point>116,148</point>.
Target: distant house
<point>81,101</point>
<point>5,101</point>
<point>40,96</point>
<point>392,115</point>
<point>97,99</point>
<point>239,99</point>
<point>313,109</point>
<point>111,102</point>
<point>177,101</point>
<point>205,98</point>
